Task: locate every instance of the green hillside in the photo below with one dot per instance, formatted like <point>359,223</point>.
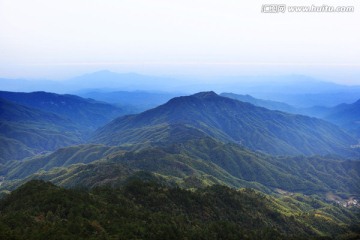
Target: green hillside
<point>192,163</point>
<point>147,210</point>
<point>60,158</point>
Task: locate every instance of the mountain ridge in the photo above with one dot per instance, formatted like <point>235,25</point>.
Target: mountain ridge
<point>190,163</point>
<point>25,131</point>
<point>231,120</point>
<point>269,104</point>
<point>87,114</point>
<point>146,209</point>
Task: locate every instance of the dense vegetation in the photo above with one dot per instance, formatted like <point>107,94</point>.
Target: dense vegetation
<point>195,162</point>
<point>60,158</point>
<point>226,119</point>
<point>162,173</point>
<point>147,210</point>
<point>343,115</point>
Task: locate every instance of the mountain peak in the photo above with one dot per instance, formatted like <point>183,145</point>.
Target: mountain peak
<point>202,95</point>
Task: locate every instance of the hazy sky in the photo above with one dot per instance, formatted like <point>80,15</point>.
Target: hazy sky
<point>62,38</point>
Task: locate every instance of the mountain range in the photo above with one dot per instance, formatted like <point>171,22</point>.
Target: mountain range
<point>203,138</point>
<point>298,171</point>
<point>297,90</point>
<point>344,115</point>
<point>269,104</point>
<point>87,114</point>
<point>26,131</point>
<point>228,120</point>
<point>32,123</point>
<point>138,100</point>
<point>191,163</point>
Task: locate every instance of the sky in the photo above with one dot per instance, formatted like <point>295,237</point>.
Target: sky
<point>57,39</point>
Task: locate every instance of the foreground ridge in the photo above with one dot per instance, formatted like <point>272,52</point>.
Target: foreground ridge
<point>152,211</point>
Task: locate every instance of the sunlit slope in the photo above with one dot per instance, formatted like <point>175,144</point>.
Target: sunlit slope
<point>191,163</point>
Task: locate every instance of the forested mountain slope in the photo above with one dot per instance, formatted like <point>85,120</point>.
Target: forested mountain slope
<point>191,163</point>
<point>229,120</point>
<point>86,114</point>
<point>26,131</point>
<point>147,210</point>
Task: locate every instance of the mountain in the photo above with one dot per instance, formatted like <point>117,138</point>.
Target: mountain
<point>297,90</point>
<point>347,116</point>
<point>139,99</point>
<point>272,105</point>
<point>228,120</point>
<point>60,158</point>
<point>191,163</point>
<point>317,99</point>
<point>303,91</point>
<point>111,165</point>
<point>344,115</point>
<point>108,80</point>
<point>26,131</point>
<point>86,114</point>
<point>286,84</point>
<point>100,80</point>
<point>149,210</point>
<point>31,85</point>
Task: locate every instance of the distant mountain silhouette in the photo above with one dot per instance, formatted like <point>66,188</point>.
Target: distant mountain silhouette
<point>136,100</point>
<point>346,116</point>
<point>108,80</point>
<point>272,105</point>
<point>296,90</point>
